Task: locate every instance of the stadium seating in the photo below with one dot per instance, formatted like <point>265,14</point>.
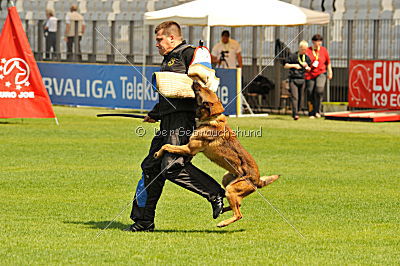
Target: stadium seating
<point>105,11</point>
<point>351,8</point>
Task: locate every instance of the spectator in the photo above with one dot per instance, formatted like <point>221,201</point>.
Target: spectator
<point>227,53</point>
<point>316,78</point>
<point>70,20</point>
<point>50,31</point>
<point>297,63</point>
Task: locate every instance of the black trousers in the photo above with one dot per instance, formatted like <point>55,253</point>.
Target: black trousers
<point>315,93</point>
<point>175,129</point>
<point>50,43</point>
<point>296,88</point>
<point>70,48</point>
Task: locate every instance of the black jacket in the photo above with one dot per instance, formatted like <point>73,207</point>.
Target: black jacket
<point>178,60</point>
<point>297,73</point>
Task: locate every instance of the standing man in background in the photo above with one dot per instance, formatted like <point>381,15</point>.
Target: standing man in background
<point>227,53</point>
<point>50,31</point>
<point>321,68</point>
<point>70,31</point>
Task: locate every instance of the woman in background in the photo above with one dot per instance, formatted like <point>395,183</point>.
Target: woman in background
<point>321,69</point>
<point>298,64</point>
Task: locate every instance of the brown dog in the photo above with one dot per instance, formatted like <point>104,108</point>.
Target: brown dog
<point>218,142</point>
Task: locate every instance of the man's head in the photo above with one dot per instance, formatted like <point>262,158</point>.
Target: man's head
<point>168,36</point>
<point>73,8</point>
<point>317,40</point>
<point>49,12</point>
<point>225,36</point>
<point>303,45</point>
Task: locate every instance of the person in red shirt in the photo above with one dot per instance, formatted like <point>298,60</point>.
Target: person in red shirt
<point>321,69</point>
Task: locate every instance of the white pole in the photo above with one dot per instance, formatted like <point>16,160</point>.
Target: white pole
<point>261,47</point>
<point>144,79</point>
<point>208,33</point>
<point>328,92</point>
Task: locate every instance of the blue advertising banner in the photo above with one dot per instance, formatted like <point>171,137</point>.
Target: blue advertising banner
<point>117,86</point>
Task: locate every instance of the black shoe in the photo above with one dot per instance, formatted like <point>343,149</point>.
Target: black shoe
<point>138,227</point>
<point>217,206</point>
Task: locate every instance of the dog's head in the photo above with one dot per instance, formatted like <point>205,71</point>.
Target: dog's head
<point>208,104</point>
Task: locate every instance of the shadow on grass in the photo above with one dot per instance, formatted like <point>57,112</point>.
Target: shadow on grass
<point>121,226</point>
<point>11,123</point>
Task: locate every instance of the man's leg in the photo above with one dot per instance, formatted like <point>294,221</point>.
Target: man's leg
<point>185,174</point>
<point>148,190</point>
<point>79,56</point>
<point>53,41</point>
<point>47,44</point>
<point>70,41</point>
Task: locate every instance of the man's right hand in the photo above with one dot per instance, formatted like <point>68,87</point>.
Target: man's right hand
<point>148,119</point>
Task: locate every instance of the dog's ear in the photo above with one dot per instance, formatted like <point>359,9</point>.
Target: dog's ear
<point>216,108</point>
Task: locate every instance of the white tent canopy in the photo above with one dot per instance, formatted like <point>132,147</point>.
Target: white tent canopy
<point>237,13</point>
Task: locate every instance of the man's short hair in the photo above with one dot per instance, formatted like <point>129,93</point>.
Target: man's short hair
<point>73,8</point>
<point>317,37</point>
<point>50,11</point>
<point>225,33</point>
<point>169,27</point>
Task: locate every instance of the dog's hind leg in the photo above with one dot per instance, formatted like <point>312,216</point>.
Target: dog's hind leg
<point>235,192</point>
<point>226,180</point>
<point>266,180</point>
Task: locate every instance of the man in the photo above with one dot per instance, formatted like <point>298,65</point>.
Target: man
<point>70,30</point>
<point>297,63</point>
<point>321,68</point>
<point>50,29</point>
<point>227,53</point>
<point>177,115</point>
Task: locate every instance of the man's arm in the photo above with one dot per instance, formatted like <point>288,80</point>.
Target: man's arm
<point>214,55</point>
<point>83,26</point>
<point>239,59</point>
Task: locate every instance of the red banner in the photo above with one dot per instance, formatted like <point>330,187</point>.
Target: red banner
<point>22,92</point>
<point>374,84</point>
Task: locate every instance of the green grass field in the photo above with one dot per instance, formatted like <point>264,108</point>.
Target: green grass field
<point>61,185</point>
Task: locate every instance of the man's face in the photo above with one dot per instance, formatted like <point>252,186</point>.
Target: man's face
<point>165,44</point>
<point>225,39</point>
<point>302,49</point>
<point>317,43</point>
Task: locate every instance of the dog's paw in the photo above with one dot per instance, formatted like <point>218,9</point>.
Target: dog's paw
<point>221,224</point>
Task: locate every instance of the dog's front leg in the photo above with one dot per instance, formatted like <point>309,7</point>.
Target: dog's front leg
<point>183,150</point>
<point>191,149</point>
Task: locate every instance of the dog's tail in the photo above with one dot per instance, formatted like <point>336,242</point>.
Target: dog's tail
<point>266,180</point>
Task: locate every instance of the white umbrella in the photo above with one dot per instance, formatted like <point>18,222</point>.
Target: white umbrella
<point>237,13</point>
